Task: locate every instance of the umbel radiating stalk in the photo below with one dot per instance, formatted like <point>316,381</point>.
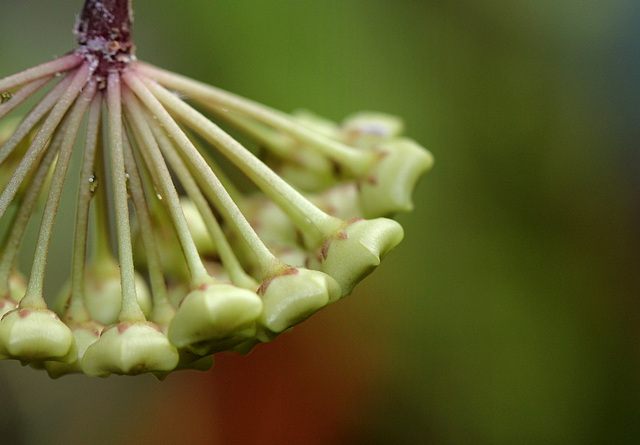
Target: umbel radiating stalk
<point>171,262</point>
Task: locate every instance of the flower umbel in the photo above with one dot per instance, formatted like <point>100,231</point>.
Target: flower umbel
<point>181,264</point>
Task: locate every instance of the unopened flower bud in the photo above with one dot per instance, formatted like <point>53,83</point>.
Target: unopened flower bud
<point>274,228</point>
<point>6,305</point>
<point>216,317</point>
<point>355,250</point>
<point>103,295</point>
<point>291,297</point>
<point>302,166</point>
<point>269,221</point>
<point>198,228</point>
<point>85,334</point>
<point>17,285</point>
<point>307,170</point>
<point>366,128</point>
<point>32,335</point>
<point>388,188</point>
<point>130,349</point>
<point>341,201</point>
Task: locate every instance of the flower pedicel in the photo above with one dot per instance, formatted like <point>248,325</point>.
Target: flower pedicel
<point>215,269</point>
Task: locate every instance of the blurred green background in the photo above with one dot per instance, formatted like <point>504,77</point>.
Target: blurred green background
<point>510,314</point>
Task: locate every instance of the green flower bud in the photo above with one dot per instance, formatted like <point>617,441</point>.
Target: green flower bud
<point>17,285</point>
<point>291,297</point>
<point>388,188</point>
<point>304,167</point>
<point>215,318</point>
<point>35,335</point>
<point>6,305</point>
<point>341,201</point>
<point>269,221</point>
<point>7,127</point>
<point>176,291</point>
<point>215,269</point>
<point>290,254</point>
<point>198,228</point>
<point>171,257</point>
<point>85,335</point>
<point>353,252</point>
<point>275,229</point>
<point>130,349</point>
<point>14,290</point>
<point>366,128</point>
<point>103,295</point>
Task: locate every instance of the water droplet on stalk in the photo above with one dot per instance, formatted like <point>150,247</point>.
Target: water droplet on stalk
<point>93,183</point>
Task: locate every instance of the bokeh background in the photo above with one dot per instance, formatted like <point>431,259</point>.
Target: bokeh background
<point>510,314</point>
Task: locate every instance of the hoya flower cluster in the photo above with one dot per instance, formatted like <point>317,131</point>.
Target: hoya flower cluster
<point>171,261</point>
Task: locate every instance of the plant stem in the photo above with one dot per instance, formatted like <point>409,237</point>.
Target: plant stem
<point>215,99</point>
<point>312,221</point>
<point>130,310</point>
<point>42,138</point>
<point>22,95</point>
<point>162,309</point>
<point>162,178</point>
<point>33,296</point>
<point>76,308</point>
<point>104,34</point>
<point>231,264</point>
<point>210,184</point>
<point>27,204</point>
<point>37,113</point>
<point>46,69</point>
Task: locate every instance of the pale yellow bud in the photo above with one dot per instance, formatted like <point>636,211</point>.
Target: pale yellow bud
<point>130,349</point>
<point>356,250</point>
<point>388,188</point>
<point>36,335</point>
<point>214,318</point>
<point>292,297</point>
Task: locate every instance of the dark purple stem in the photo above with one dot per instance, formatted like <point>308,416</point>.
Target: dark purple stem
<point>104,32</point>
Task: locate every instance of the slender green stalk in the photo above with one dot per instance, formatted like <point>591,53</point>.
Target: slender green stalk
<point>217,100</point>
<point>277,142</point>
<point>231,264</point>
<point>130,310</point>
<point>27,205</point>
<point>216,192</point>
<point>217,170</point>
<point>64,63</point>
<point>34,296</point>
<point>22,95</point>
<point>164,183</point>
<point>315,223</point>
<point>102,246</point>
<point>42,138</point>
<point>35,115</point>
<point>162,309</point>
<point>76,309</point>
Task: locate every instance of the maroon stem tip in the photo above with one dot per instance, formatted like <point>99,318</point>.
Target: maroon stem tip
<point>104,30</point>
